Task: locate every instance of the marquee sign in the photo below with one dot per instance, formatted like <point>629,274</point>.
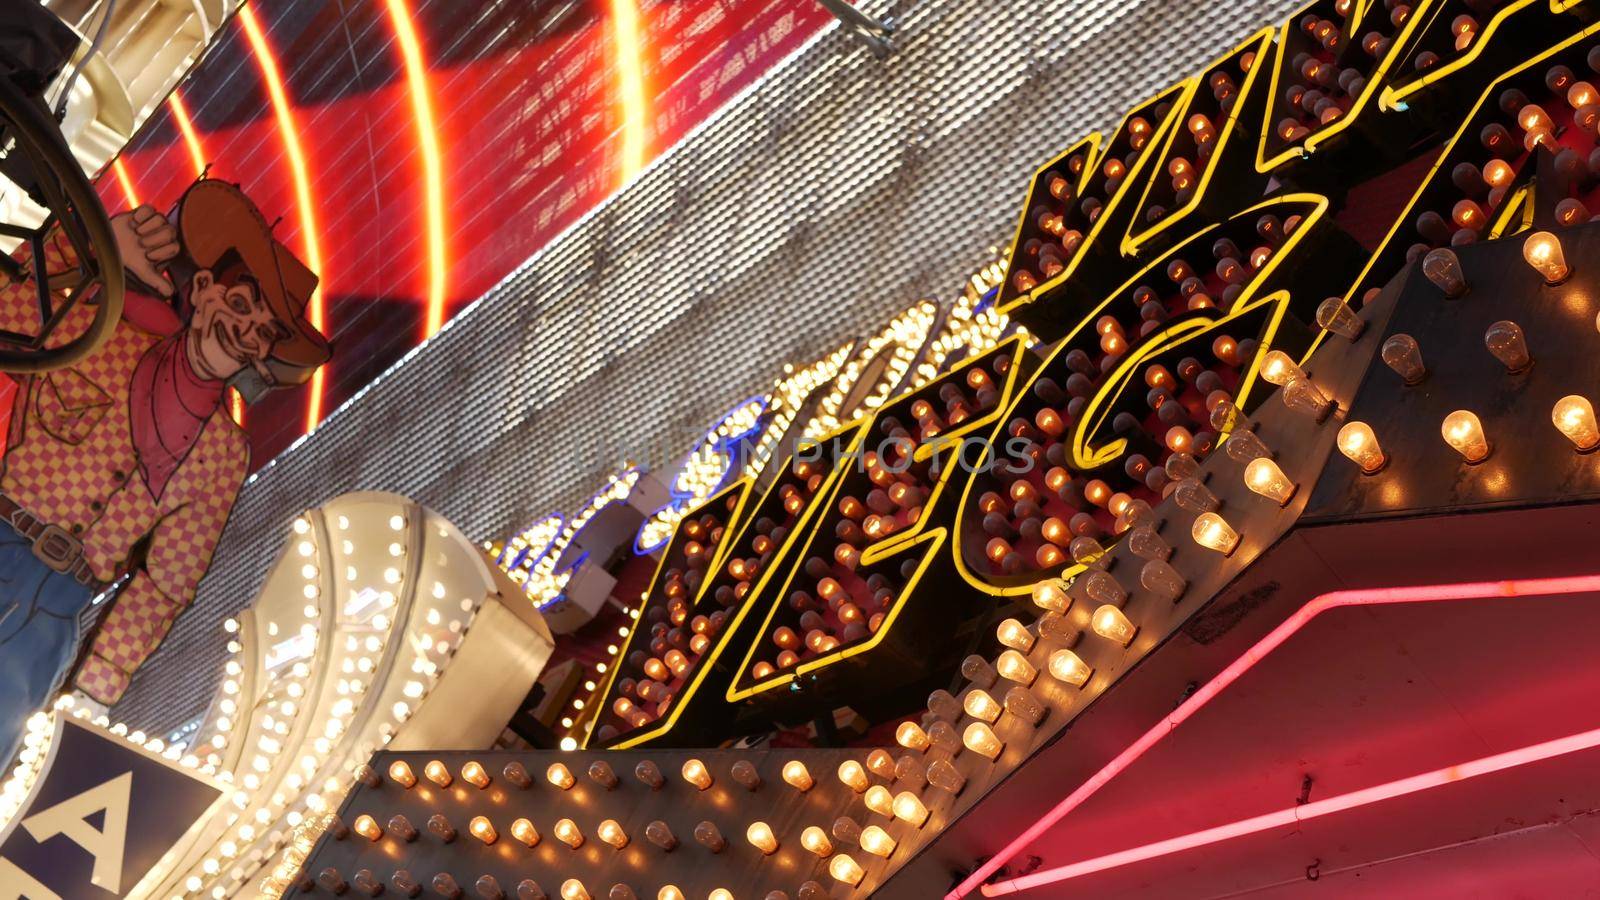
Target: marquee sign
<point>102,813</point>
<point>1337,281</point>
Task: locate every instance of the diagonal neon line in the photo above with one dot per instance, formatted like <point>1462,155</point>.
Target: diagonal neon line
<point>1477,590</point>
<point>432,165</point>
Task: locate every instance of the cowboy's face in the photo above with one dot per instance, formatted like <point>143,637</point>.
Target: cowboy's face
<point>231,327</point>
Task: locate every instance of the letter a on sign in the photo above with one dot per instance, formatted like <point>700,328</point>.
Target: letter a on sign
<point>16,884</point>
<point>70,819</point>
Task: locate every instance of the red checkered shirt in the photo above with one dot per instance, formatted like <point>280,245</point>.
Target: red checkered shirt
<point>72,463</point>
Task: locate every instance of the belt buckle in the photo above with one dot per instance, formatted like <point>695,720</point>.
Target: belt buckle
<point>57,549</point>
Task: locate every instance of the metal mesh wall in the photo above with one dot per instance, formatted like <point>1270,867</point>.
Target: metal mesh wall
<point>837,192</point>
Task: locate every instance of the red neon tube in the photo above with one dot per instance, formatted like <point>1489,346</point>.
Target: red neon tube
<point>1476,590</point>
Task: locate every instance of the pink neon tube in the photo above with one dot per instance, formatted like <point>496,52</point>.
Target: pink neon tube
<point>1477,590</point>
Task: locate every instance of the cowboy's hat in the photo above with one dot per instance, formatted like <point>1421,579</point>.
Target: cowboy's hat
<point>215,217</point>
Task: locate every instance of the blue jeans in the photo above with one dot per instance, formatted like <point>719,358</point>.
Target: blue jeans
<point>39,610</point>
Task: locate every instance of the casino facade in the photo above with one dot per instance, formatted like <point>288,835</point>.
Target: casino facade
<point>895,449</point>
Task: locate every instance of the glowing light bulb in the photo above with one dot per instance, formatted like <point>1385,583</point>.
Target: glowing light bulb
<point>566,831</point>
<point>400,773</point>
<point>523,831</point>
<point>908,808</point>
<point>1462,431</point>
<point>573,889</point>
<point>911,736</point>
<point>1213,532</point>
<point>1068,667</point>
<point>560,776</point>
<point>846,870</point>
<point>483,830</point>
<point>879,800</point>
<point>611,832</point>
<point>815,840</point>
<point>980,705</point>
<point>980,739</point>
<point>853,776</point>
<point>1573,416</point>
<point>796,774</point>
<point>1543,252</point>
<point>876,841</point>
<point>1278,368</point>
<point>1497,173</point>
<point>473,774</point>
<point>1443,268</point>
<point>368,828</point>
<point>670,892</point>
<point>1357,442</point>
<point>1014,666</point>
<point>1401,353</point>
<point>1051,594</point>
<point>694,772</point>
<point>1505,341</point>
<point>1015,635</point>
<point>1264,477</point>
<point>1110,623</point>
<point>437,773</point>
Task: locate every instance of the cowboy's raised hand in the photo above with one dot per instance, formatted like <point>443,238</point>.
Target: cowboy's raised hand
<point>146,241</point>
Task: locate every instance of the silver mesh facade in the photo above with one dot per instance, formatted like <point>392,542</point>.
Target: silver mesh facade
<point>837,192</point>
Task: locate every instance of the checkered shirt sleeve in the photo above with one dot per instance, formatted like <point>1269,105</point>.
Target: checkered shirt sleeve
<point>180,551</point>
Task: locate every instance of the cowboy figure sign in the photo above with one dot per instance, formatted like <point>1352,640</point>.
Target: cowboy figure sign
<point>127,463</point>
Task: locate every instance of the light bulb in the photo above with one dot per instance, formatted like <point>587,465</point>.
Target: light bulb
<point>745,775</point>
<point>1182,465</point>
<point>1463,431</point>
<point>524,832</point>
<point>1213,532</point>
<point>560,776</point>
<point>670,892</point>
<point>437,773</point>
<point>908,808</point>
<point>1021,703</point>
<point>1068,667</point>
<point>845,869</point>
<point>1357,442</point>
<point>847,829</point>
<point>1265,478</point>
<point>1278,368</point>
<point>1015,635</point>
<point>943,735</point>
<point>796,774</point>
<point>943,705</point>
<point>709,836</point>
<point>1159,577</point>
<point>1101,587</point>
<point>760,836</point>
<point>816,840</point>
<point>881,764</point>
<point>483,830</point>
<point>879,800</point>
<point>1245,445</point>
<point>660,834</point>
<point>401,774</point>
<point>977,670</point>
<point>980,739</point>
<point>600,773</point>
<point>573,889</point>
<point>473,774</point>
<point>367,827</point>
<point>853,775</point>
<point>1543,252</point>
<point>1303,397</point>
<point>980,705</point>
<point>1402,354</point>
<point>1191,494</point>
<point>1015,667</point>
<point>1574,417</point>
<point>1504,339</point>
<point>566,831</point>
<point>876,841</point>
<point>1336,316</point>
<point>1145,543</point>
<point>1051,594</point>
<point>944,776</point>
<point>911,736</point>
<point>1443,268</point>
<point>694,772</point>
<point>611,832</point>
<point>1111,624</point>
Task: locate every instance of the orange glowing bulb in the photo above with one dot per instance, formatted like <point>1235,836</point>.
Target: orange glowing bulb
<point>437,773</point>
<point>401,774</point>
<point>483,830</point>
<point>368,828</point>
<point>695,772</point>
